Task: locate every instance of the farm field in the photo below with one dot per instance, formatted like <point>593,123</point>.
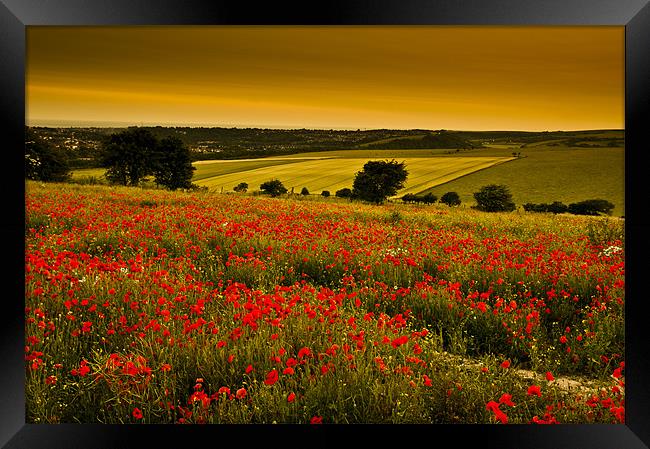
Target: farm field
<point>548,173</point>
<point>150,306</point>
<point>336,173</point>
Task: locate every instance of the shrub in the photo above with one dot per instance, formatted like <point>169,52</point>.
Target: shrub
<point>494,198</point>
<point>325,193</point>
<point>344,193</point>
<point>429,198</point>
<point>591,207</point>
<point>241,187</point>
<point>304,191</point>
<point>273,187</point>
<point>450,199</point>
<point>410,198</point>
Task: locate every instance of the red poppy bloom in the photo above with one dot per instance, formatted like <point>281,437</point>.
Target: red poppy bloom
<point>534,389</point>
<point>507,400</point>
<point>317,420</point>
<point>291,397</point>
<point>617,373</point>
<point>249,368</point>
<point>549,376</point>
<point>271,377</point>
<point>563,339</point>
<point>137,414</point>
<point>166,367</point>
<point>505,364</point>
<point>241,393</point>
<point>288,371</point>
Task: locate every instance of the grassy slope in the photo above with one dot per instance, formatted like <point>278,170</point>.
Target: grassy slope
<point>548,174</point>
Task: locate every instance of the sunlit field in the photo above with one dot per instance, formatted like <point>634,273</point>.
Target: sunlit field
<point>150,306</point>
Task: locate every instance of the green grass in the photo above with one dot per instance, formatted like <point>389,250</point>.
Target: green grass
<point>547,174</point>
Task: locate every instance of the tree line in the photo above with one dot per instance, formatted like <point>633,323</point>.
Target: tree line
<point>129,157</point>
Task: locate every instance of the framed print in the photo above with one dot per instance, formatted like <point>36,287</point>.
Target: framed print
<point>378,221</point>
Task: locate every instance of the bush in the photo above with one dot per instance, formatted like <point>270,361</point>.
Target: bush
<point>494,198</point>
<point>273,187</point>
<point>450,199</point>
<point>241,187</point>
<point>429,198</point>
<point>304,191</point>
<point>410,198</point>
<point>591,207</point>
<point>556,207</point>
<point>325,193</point>
<point>343,193</point>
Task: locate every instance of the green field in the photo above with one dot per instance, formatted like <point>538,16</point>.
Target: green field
<point>336,173</point>
<point>545,174</point>
<point>547,171</point>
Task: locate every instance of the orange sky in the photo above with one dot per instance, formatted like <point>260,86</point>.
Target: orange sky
<point>431,77</point>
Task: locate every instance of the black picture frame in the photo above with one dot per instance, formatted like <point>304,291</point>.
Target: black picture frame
<point>16,15</point>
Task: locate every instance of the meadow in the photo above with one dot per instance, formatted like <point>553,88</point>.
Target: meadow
<point>150,306</point>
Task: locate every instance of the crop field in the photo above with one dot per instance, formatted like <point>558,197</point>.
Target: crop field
<point>546,174</point>
<point>151,306</point>
<point>335,173</point>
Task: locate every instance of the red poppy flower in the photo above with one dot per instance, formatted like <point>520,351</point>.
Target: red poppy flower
<point>549,376</point>
<point>317,420</point>
<point>241,393</point>
<point>271,377</point>
<point>505,364</point>
<point>507,400</point>
<point>534,389</point>
<point>289,371</point>
<point>249,368</point>
<point>291,397</point>
<point>137,414</point>
<point>563,339</point>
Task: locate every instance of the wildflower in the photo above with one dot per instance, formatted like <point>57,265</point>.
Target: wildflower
<point>563,339</point>
<point>291,397</point>
<point>549,376</point>
<point>505,364</point>
<point>165,367</point>
<point>507,400</point>
<point>317,420</point>
<point>249,368</point>
<point>241,393</point>
<point>289,371</point>
<point>137,414</point>
<point>271,377</point>
<point>534,389</point>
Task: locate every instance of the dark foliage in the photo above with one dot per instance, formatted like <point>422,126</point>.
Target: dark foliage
<point>494,198</point>
<point>378,180</point>
<point>43,162</point>
<point>450,199</point>
<point>273,187</point>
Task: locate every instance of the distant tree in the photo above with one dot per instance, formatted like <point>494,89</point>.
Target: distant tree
<point>273,187</point>
<point>429,198</point>
<point>343,193</point>
<point>591,207</point>
<point>558,207</point>
<point>43,162</point>
<point>325,193</point>
<point>494,198</point>
<point>241,187</point>
<point>410,198</point>
<point>450,199</point>
<point>304,191</point>
<point>128,156</point>
<point>172,164</point>
<point>378,180</point>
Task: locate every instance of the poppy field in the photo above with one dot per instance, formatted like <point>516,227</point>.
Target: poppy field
<point>150,306</point>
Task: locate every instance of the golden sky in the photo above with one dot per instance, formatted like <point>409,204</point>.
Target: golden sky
<point>430,77</point>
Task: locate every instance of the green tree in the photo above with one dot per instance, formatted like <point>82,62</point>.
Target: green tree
<point>325,193</point>
<point>494,198</point>
<point>343,193</point>
<point>172,164</point>
<point>378,180</point>
<point>429,198</point>
<point>241,187</point>
<point>128,156</point>
<point>450,199</point>
<point>304,191</point>
<point>591,207</point>
<point>43,162</point>
<point>273,187</point>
